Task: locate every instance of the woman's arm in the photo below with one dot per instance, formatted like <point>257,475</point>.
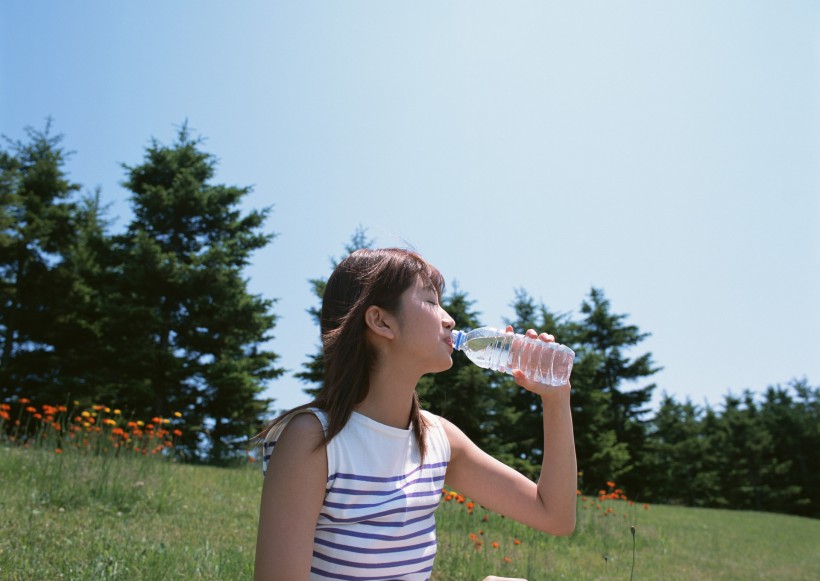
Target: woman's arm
<point>292,496</point>
<point>548,506</point>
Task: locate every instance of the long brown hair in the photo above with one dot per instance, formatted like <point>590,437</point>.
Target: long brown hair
<point>365,278</point>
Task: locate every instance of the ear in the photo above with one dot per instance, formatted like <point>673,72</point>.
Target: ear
<point>379,321</point>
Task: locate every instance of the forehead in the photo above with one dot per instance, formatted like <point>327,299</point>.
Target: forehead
<point>421,285</point>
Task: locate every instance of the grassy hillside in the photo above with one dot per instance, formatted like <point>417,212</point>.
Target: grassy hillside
<point>70,516</point>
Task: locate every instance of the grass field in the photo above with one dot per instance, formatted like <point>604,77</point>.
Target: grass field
<point>70,516</point>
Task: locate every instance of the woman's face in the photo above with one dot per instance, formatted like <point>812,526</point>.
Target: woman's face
<point>424,329</point>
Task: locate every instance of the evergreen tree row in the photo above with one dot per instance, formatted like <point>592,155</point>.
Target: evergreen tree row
<point>158,319</point>
<point>752,454</point>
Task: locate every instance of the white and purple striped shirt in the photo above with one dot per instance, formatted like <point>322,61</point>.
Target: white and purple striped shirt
<point>377,520</point>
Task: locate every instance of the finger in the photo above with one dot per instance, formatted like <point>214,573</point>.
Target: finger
<point>547,337</point>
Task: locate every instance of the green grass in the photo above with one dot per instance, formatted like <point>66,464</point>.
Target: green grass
<point>86,517</point>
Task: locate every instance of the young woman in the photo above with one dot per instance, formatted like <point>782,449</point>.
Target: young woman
<point>352,479</point>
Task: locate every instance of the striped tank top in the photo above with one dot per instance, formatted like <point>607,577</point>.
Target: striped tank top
<point>377,520</point>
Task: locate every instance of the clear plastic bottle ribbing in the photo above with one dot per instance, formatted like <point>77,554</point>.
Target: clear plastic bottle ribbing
<point>546,363</point>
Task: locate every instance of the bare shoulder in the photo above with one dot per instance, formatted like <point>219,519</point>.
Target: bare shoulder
<point>301,436</point>
<point>458,439</point>
<point>304,425</point>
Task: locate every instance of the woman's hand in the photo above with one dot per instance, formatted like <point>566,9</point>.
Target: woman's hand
<point>523,349</point>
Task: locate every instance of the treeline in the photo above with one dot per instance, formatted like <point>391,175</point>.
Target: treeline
<point>157,319</point>
<point>760,453</point>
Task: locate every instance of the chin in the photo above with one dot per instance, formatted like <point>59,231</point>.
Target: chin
<point>446,366</point>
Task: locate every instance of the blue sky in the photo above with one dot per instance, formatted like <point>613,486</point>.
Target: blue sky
<point>666,152</point>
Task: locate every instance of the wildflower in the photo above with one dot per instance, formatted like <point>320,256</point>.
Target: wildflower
<point>24,400</point>
<point>516,542</point>
<point>58,451</point>
<point>86,414</point>
<point>117,412</point>
<point>178,434</point>
<point>610,484</point>
<point>495,545</point>
<point>507,560</point>
<point>177,414</point>
<point>646,507</point>
<point>31,409</point>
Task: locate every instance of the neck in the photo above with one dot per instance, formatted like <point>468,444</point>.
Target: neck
<point>390,397</point>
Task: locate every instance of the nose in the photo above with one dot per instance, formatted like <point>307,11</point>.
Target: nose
<point>448,321</point>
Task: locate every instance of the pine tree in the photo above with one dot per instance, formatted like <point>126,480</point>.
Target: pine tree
<point>522,428</point>
<point>37,225</point>
<point>465,394</point>
<point>186,331</point>
<point>314,370</point>
<point>604,338</point>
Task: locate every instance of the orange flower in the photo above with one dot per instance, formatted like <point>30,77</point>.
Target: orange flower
<point>178,434</point>
<point>610,484</point>
<point>516,542</point>
<point>470,505</point>
<point>507,560</point>
<point>24,400</point>
<point>646,507</point>
<point>495,545</point>
<point>31,409</point>
<point>58,451</point>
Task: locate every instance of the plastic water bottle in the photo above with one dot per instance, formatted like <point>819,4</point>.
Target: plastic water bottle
<point>547,363</point>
